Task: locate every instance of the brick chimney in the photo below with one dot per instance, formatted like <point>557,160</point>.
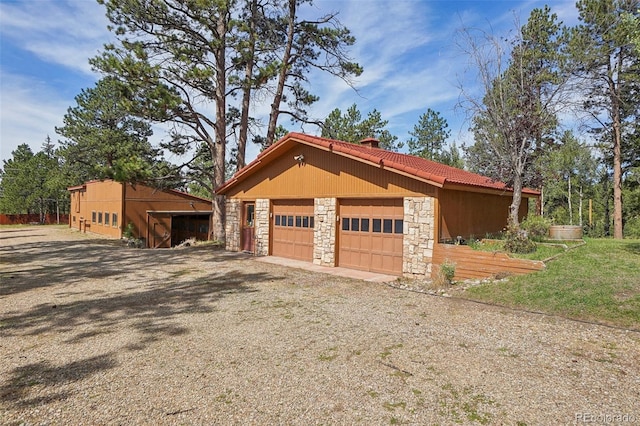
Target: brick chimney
<point>370,142</point>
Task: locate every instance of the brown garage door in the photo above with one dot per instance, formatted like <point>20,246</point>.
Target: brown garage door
<point>370,235</point>
<point>293,229</point>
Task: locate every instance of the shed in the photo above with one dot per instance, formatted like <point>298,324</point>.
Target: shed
<point>162,218</point>
<point>335,203</point>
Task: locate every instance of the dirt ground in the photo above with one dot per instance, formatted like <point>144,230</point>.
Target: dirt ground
<point>92,332</point>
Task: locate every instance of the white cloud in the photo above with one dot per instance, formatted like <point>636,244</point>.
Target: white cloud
<point>59,32</point>
<point>29,112</point>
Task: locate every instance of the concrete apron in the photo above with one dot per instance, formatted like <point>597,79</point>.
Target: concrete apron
<point>341,272</point>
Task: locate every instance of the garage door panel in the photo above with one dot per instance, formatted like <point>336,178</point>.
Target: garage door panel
<point>371,234</point>
<point>292,229</point>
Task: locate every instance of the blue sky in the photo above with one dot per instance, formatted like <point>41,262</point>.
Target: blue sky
<point>407,48</point>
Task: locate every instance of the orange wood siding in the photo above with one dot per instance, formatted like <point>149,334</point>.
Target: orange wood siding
<point>481,264</point>
<point>140,198</point>
<point>101,198</point>
<point>470,214</point>
<point>324,174</point>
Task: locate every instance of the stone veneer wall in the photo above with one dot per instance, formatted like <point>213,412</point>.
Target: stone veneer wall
<point>324,232</point>
<point>234,220</point>
<point>261,225</point>
<point>418,239</point>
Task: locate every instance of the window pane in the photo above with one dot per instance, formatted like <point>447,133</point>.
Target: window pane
<point>298,221</point>
<point>305,221</point>
<point>289,220</point>
<point>387,226</point>
<point>364,225</point>
<point>311,221</point>
<point>345,223</point>
<point>377,225</point>
<point>250,215</point>
<point>277,220</point>
<point>106,219</point>
<point>355,224</point>
<point>93,217</point>
<point>99,217</point>
<point>114,220</point>
<point>397,229</point>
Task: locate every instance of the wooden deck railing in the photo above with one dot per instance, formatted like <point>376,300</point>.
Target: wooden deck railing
<point>481,264</point>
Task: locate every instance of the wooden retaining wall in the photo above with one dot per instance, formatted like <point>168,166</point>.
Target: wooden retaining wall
<point>481,264</point>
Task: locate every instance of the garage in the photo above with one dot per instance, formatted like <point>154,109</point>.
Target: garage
<point>292,230</point>
<point>370,235</point>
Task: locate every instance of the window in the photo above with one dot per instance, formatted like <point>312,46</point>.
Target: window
<point>387,226</point>
<point>289,220</point>
<point>311,221</point>
<point>305,221</point>
<point>364,225</point>
<point>397,229</point>
<point>93,217</point>
<point>114,220</point>
<point>298,221</point>
<point>249,214</point>
<point>355,224</point>
<point>99,218</point>
<point>377,225</point>
<point>345,223</point>
<point>277,220</point>
<point>106,219</point>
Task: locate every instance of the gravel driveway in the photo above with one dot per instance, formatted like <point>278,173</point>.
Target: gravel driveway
<point>98,334</point>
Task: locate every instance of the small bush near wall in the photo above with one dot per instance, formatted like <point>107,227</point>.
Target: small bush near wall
<point>517,241</point>
<point>444,277</point>
<point>536,226</point>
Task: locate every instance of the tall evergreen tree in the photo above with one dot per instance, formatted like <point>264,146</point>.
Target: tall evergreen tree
<point>429,136</point>
<point>185,61</point>
<point>29,183</point>
<point>351,127</point>
<point>610,71</point>
<point>103,140</point>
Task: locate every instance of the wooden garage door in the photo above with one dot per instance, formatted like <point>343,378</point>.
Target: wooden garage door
<point>370,235</point>
<point>293,229</point>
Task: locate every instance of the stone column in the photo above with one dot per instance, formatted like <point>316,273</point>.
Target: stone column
<point>418,239</point>
<point>261,224</point>
<point>324,232</point>
<point>232,229</point>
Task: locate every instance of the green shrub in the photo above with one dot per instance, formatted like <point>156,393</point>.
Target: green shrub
<point>444,277</point>
<point>517,241</point>
<point>536,226</point>
<point>448,270</point>
<point>129,231</point>
<point>632,227</point>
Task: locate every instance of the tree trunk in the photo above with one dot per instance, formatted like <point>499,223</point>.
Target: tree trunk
<point>246,91</point>
<point>282,77</point>
<point>514,208</point>
<point>569,201</point>
<point>617,182</point>
<point>220,130</point>
<point>617,154</point>
<point>580,207</point>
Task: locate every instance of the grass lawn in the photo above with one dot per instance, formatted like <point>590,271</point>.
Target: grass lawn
<point>599,281</point>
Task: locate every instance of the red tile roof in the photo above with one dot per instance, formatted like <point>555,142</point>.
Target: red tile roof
<point>432,172</point>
